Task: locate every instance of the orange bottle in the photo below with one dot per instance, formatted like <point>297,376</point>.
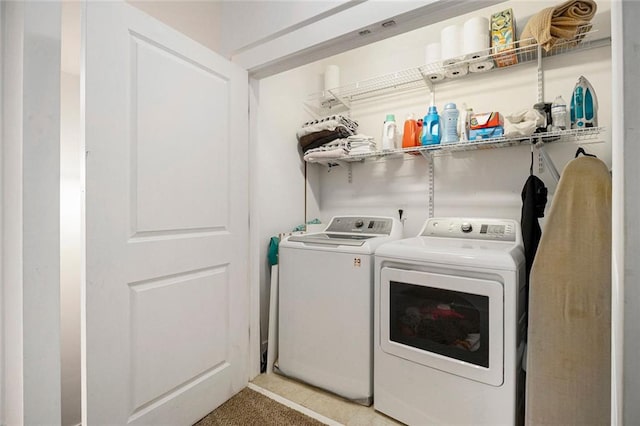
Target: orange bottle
<point>410,135</point>
<point>418,132</point>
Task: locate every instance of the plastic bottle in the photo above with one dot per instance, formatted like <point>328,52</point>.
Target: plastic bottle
<point>389,131</point>
<point>464,122</point>
<point>418,132</point>
<point>431,127</point>
<point>409,135</point>
<point>450,123</point>
<point>559,115</point>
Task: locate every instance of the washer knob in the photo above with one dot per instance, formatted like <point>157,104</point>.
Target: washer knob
<point>466,227</point>
<point>359,223</point>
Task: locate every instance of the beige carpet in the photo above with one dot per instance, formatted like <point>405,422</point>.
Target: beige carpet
<point>252,408</point>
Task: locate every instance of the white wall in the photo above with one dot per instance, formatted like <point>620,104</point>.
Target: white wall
<point>278,184</point>
<point>477,183</point>
<point>341,28</point>
<point>264,20</point>
<point>199,20</point>
<point>70,156</point>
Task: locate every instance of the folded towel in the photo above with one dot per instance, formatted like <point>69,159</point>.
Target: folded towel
<point>322,137</point>
<point>362,150</point>
<point>562,22</point>
<point>360,137</point>
<point>327,123</point>
<point>324,155</point>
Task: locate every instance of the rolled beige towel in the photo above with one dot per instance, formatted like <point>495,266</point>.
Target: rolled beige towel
<point>558,23</point>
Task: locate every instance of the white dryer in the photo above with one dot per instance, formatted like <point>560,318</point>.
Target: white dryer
<point>325,322</point>
<point>450,324</point>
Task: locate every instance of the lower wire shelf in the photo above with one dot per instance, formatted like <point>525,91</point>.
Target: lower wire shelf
<point>581,136</point>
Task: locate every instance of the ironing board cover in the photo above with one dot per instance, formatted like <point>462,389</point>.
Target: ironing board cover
<point>569,350</point>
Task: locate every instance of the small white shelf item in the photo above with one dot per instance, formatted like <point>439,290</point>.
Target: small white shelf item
<point>340,98</point>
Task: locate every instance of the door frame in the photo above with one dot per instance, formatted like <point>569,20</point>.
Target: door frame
<point>30,270</point>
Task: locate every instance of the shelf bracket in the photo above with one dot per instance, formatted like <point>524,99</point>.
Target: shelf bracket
<point>427,81</point>
<point>430,182</point>
<point>540,75</point>
<point>547,161</point>
<point>339,99</point>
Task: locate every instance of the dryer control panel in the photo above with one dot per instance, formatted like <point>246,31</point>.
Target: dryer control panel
<point>361,224</point>
<point>477,229</point>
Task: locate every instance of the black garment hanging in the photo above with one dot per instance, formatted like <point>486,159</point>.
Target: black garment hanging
<point>534,200</point>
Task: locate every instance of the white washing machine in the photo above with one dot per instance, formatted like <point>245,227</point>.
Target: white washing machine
<point>450,324</point>
<point>325,322</point>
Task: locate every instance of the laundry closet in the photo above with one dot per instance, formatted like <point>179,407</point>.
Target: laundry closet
<point>286,191</point>
<point>478,182</point>
<point>470,183</point>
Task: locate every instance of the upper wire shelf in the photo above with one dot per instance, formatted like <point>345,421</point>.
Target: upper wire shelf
<point>521,52</point>
<point>582,136</point>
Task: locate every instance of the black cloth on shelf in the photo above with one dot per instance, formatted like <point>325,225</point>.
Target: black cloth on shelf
<point>534,200</point>
<point>316,139</point>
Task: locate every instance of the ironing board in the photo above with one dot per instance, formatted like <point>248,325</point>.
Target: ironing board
<point>569,349</point>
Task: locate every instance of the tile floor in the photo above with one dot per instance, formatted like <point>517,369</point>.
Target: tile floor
<point>331,406</point>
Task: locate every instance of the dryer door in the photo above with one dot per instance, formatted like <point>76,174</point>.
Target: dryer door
<point>447,322</point>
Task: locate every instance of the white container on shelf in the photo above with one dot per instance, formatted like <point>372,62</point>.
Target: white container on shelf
<point>450,123</point>
<point>389,133</point>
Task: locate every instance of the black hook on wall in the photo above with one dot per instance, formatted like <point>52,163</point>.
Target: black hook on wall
<point>583,152</point>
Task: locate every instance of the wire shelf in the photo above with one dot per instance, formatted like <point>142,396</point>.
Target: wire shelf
<point>488,60</point>
<point>582,136</point>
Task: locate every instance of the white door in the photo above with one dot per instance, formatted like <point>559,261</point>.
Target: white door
<point>166,326</point>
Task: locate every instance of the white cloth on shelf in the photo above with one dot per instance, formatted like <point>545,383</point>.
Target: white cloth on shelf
<point>361,144</point>
<point>334,153</point>
<point>353,145</point>
<point>327,123</point>
<point>522,123</point>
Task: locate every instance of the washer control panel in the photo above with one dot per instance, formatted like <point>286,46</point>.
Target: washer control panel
<point>477,229</point>
<point>365,225</point>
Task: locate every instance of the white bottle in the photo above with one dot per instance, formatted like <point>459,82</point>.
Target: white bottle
<point>463,122</point>
<point>559,116</point>
<point>389,133</point>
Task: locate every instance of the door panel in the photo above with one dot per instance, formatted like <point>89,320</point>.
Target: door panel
<point>166,295</point>
<point>196,327</point>
<point>180,117</point>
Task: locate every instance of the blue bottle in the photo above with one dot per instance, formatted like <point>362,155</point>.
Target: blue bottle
<point>450,123</point>
<point>431,127</point>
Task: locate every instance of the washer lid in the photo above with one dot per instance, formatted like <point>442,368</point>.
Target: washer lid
<point>347,233</point>
<point>455,251</point>
<point>332,239</point>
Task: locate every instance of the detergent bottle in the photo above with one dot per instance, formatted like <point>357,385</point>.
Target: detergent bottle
<point>389,131</point>
<point>450,123</point>
<point>418,132</point>
<point>409,135</point>
<point>431,127</point>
